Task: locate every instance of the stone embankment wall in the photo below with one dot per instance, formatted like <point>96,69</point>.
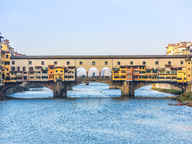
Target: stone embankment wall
<point>165,86</point>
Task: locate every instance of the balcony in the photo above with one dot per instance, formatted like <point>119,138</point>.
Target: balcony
<point>25,74</point>
<point>148,74</point>
<point>163,80</point>
<point>129,73</point>
<point>162,73</point>
<point>45,69</point>
<point>115,73</point>
<point>12,76</point>
<point>19,79</point>
<point>173,73</point>
<point>44,74</point>
<point>19,74</point>
<point>117,69</point>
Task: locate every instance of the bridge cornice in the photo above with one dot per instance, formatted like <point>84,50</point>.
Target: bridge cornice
<point>100,57</point>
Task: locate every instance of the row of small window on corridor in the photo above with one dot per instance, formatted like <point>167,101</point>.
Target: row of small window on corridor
<point>94,63</point>
<point>144,62</point>
<point>67,63</point>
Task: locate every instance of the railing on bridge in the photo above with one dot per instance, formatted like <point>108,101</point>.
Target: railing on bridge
<point>92,79</point>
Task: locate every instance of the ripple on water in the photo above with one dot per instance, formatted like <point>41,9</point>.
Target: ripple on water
<point>89,116</point>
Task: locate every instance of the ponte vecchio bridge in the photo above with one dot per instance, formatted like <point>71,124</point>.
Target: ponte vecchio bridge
<point>129,72</point>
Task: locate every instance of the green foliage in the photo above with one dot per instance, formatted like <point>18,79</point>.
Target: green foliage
<point>186,97</point>
<point>177,92</point>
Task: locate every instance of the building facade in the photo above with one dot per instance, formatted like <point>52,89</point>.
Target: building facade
<point>8,73</point>
<point>129,68</point>
<point>170,72</point>
<point>181,48</point>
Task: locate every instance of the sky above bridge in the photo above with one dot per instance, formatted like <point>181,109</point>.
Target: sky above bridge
<point>95,27</point>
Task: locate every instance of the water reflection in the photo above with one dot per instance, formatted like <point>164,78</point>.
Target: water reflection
<point>89,116</point>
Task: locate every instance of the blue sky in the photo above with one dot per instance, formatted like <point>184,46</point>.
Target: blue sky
<point>95,27</point>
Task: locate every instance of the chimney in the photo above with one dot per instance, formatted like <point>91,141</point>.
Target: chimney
<point>11,49</point>
<point>6,41</point>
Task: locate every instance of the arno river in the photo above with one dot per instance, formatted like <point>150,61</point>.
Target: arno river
<point>94,114</point>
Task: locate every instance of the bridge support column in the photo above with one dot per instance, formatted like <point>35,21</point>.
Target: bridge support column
<point>127,89</point>
<point>2,93</point>
<point>99,74</point>
<point>187,88</point>
<point>60,90</point>
<point>87,74</point>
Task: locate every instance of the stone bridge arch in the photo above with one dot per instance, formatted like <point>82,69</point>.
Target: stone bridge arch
<point>4,88</point>
<point>7,86</point>
<point>70,85</point>
<point>80,71</point>
<point>140,84</point>
<point>94,62</point>
<point>87,69</point>
<point>106,71</point>
<point>94,70</point>
<point>49,85</point>
<point>59,88</point>
<point>128,87</point>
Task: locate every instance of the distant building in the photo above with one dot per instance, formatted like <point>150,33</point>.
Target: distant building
<point>181,48</point>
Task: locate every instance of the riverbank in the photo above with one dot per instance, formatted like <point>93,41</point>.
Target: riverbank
<point>172,91</point>
<point>186,99</point>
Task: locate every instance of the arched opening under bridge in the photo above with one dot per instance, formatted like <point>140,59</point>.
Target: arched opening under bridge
<point>147,91</point>
<point>93,90</point>
<point>106,72</point>
<point>81,72</point>
<point>29,91</point>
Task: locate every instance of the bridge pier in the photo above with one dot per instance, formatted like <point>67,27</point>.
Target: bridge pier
<point>2,93</point>
<point>87,74</point>
<point>127,89</point>
<point>99,74</point>
<point>187,88</point>
<point>60,90</point>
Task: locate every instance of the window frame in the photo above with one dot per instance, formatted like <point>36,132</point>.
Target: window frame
<point>42,63</point>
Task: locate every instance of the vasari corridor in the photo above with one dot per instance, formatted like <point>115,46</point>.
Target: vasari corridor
<point>95,72</point>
